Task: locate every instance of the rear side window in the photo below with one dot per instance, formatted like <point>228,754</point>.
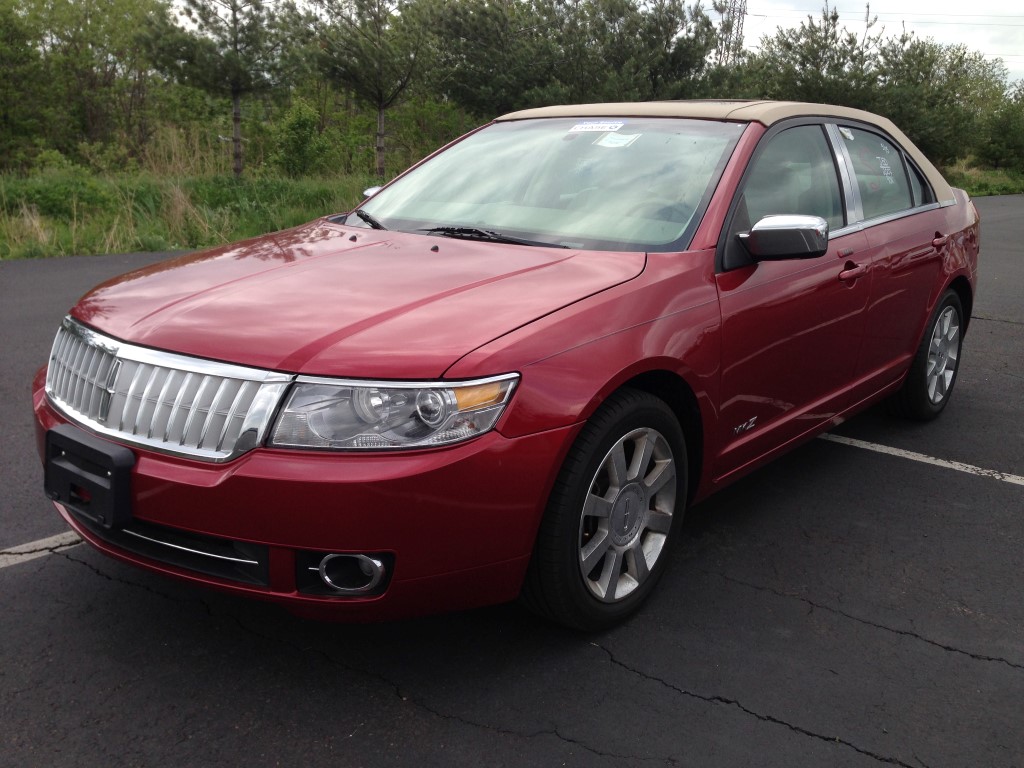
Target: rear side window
<point>880,173</point>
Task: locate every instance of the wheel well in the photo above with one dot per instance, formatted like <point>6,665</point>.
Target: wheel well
<point>963,291</point>
<point>674,391</point>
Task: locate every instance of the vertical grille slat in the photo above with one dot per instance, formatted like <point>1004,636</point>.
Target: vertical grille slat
<point>85,383</point>
<point>129,395</point>
<point>153,376</point>
<point>211,416</point>
<point>233,412</point>
<point>196,404</point>
<point>161,400</point>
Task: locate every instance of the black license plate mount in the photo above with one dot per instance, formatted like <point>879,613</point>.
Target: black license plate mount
<point>89,476</point>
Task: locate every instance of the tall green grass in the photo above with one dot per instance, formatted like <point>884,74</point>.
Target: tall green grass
<point>980,182</point>
<point>63,212</point>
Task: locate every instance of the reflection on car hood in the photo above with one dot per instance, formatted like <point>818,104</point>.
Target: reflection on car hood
<point>328,300</point>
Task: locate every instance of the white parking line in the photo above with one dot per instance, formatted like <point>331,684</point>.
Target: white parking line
<point>34,549</point>
<point>958,466</point>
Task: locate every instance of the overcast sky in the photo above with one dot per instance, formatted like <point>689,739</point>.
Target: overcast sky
<point>993,27</point>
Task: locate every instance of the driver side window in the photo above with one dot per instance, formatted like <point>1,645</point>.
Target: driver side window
<point>793,174</point>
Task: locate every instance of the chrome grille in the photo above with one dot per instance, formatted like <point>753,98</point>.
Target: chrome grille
<point>168,402</point>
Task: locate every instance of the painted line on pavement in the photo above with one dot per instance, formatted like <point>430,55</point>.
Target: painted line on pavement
<point>957,465</point>
<point>40,548</point>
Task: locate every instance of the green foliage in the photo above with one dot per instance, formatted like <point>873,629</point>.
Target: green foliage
<point>226,48</point>
<point>372,48</point>
<point>299,148</point>
<point>70,212</point>
<point>20,63</point>
<point>494,56</point>
<point>1002,145</point>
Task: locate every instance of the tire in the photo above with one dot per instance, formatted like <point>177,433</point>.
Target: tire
<point>606,534</point>
<point>929,383</point>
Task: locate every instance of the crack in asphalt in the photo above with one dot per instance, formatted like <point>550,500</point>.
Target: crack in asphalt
<point>715,699</point>
<point>372,675</point>
<point>130,583</point>
<point>996,320</point>
<point>867,622</point>
<point>15,552</point>
<point>420,704</point>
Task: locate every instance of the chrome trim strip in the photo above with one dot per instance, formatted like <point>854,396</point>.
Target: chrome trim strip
<point>241,560</point>
<point>429,384</point>
<point>854,206</point>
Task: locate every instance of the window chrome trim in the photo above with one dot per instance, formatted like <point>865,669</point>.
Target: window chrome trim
<point>272,386</point>
<point>854,207</point>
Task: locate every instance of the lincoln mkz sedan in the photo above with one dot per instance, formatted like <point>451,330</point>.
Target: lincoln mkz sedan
<point>509,371</point>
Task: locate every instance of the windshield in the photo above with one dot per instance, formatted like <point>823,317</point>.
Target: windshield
<point>603,184</point>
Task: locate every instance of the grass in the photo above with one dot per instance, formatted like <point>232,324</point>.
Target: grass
<point>65,212</point>
<point>980,182</point>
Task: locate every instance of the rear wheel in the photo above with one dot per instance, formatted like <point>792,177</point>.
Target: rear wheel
<point>933,370</point>
<point>605,537</point>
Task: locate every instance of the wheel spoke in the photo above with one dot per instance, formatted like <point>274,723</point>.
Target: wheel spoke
<point>609,581</point>
<point>597,506</point>
<point>642,456</point>
<point>594,550</point>
<point>659,522</point>
<point>636,564</point>
<point>616,463</point>
<point>660,475</point>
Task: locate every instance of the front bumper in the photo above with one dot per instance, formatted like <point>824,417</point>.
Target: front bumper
<point>456,525</point>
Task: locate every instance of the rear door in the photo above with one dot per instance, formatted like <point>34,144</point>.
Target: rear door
<point>905,233</point>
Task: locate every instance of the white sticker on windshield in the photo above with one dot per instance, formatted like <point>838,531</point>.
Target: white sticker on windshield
<point>615,140</point>
<point>847,133</point>
<point>596,125</point>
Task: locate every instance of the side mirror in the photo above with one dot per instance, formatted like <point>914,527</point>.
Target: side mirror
<point>786,236</point>
<point>371,191</point>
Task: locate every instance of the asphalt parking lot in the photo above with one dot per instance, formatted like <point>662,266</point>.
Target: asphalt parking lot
<point>855,603</point>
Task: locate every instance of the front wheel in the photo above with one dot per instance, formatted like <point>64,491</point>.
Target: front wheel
<point>604,540</point>
<point>933,370</point>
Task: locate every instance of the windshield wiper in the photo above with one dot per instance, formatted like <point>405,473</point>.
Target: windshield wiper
<point>475,233</point>
<point>374,224</point>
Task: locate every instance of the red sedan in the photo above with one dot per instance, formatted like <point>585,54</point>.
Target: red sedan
<point>510,370</point>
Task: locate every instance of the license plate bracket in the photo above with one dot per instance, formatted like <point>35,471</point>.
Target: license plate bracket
<point>90,476</point>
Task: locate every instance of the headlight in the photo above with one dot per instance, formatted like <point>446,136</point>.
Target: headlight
<point>381,415</point>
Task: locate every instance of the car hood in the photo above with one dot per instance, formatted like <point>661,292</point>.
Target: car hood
<point>329,300</point>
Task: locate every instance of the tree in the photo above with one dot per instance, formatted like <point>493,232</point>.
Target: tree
<point>938,93</point>
<point>231,50</point>
<point>817,62</point>
<point>489,55</point>
<point>20,63</point>
<point>96,72</point>
<point>373,48</point>
<point>1002,144</point>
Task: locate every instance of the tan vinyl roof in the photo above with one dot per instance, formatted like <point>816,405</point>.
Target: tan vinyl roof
<point>765,112</point>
